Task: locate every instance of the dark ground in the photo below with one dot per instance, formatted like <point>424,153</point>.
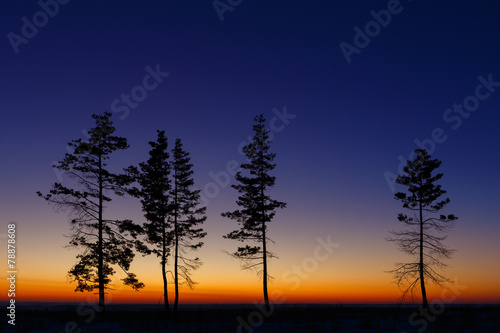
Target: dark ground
<point>251,318</point>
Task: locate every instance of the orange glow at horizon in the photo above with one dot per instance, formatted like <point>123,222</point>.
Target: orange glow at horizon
<point>353,273</point>
<point>45,291</point>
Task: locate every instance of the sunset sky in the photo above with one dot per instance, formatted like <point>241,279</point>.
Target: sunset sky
<point>342,123</point>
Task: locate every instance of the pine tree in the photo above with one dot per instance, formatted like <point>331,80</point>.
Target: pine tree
<point>257,208</point>
<point>186,217</point>
<point>171,208</point>
<point>104,242</point>
<point>155,186</point>
<point>422,200</point>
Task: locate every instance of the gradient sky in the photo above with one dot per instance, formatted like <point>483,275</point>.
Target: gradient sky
<point>353,124</point>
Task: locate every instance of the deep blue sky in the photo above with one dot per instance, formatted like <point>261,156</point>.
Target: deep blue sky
<point>352,120</point>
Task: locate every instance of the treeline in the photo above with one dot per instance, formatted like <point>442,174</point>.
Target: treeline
<point>171,205</point>
<point>174,215</point>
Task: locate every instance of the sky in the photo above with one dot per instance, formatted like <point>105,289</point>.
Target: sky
<point>350,89</point>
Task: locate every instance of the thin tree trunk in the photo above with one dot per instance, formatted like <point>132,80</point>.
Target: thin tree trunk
<point>176,272</point>
<point>421,264</point>
<point>163,271</point>
<point>264,250</point>
<point>264,254</point>
<point>165,291</point>
<point>176,259</point>
<point>100,267</point>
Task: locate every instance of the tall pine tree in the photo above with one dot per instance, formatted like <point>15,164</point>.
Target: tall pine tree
<point>422,199</point>
<point>172,209</point>
<point>186,217</point>
<point>257,207</point>
<point>154,192</point>
<point>104,242</point>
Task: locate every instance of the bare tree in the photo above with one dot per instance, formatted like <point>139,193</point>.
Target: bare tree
<point>424,239</point>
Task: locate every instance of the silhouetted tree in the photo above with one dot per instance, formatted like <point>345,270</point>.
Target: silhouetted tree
<point>422,200</point>
<point>187,216</point>
<point>257,208</point>
<point>154,192</point>
<point>105,242</point>
<point>171,208</point>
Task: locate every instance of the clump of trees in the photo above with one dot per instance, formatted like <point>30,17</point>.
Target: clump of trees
<point>154,193</point>
<point>165,187</point>
<point>172,209</point>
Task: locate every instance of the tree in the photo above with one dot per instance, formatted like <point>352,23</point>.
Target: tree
<point>187,216</point>
<point>257,208</point>
<point>422,200</point>
<point>154,192</point>
<point>171,208</point>
<point>105,242</point>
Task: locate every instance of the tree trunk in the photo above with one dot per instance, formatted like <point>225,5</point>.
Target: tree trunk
<point>176,273</point>
<point>264,250</point>
<point>176,258</point>
<point>100,267</point>
<point>421,264</point>
<point>163,271</point>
